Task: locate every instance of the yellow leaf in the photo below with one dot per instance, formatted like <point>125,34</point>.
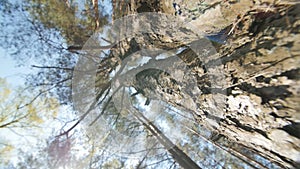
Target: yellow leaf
<point>7,149</point>
<point>33,116</point>
<point>53,105</point>
<point>6,92</point>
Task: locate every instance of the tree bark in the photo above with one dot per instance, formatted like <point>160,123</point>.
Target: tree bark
<point>260,66</point>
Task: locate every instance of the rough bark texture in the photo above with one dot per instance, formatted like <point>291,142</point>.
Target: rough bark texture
<point>260,85</point>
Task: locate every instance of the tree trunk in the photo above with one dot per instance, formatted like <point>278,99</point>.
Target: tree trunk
<point>260,85</point>
<point>179,156</point>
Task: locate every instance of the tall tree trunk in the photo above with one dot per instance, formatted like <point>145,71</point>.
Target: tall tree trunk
<point>179,156</point>
<point>260,64</point>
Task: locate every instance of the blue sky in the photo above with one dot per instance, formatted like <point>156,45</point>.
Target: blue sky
<point>8,67</point>
<point>10,71</point>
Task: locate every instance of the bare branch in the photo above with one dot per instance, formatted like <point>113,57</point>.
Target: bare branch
<point>105,106</point>
<point>52,67</point>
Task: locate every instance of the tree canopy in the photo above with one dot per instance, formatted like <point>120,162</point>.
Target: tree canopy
<point>191,85</point>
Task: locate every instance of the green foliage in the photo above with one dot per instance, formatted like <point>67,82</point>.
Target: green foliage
<point>75,25</point>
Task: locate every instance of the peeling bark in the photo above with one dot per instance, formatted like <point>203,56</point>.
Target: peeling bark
<point>260,64</point>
